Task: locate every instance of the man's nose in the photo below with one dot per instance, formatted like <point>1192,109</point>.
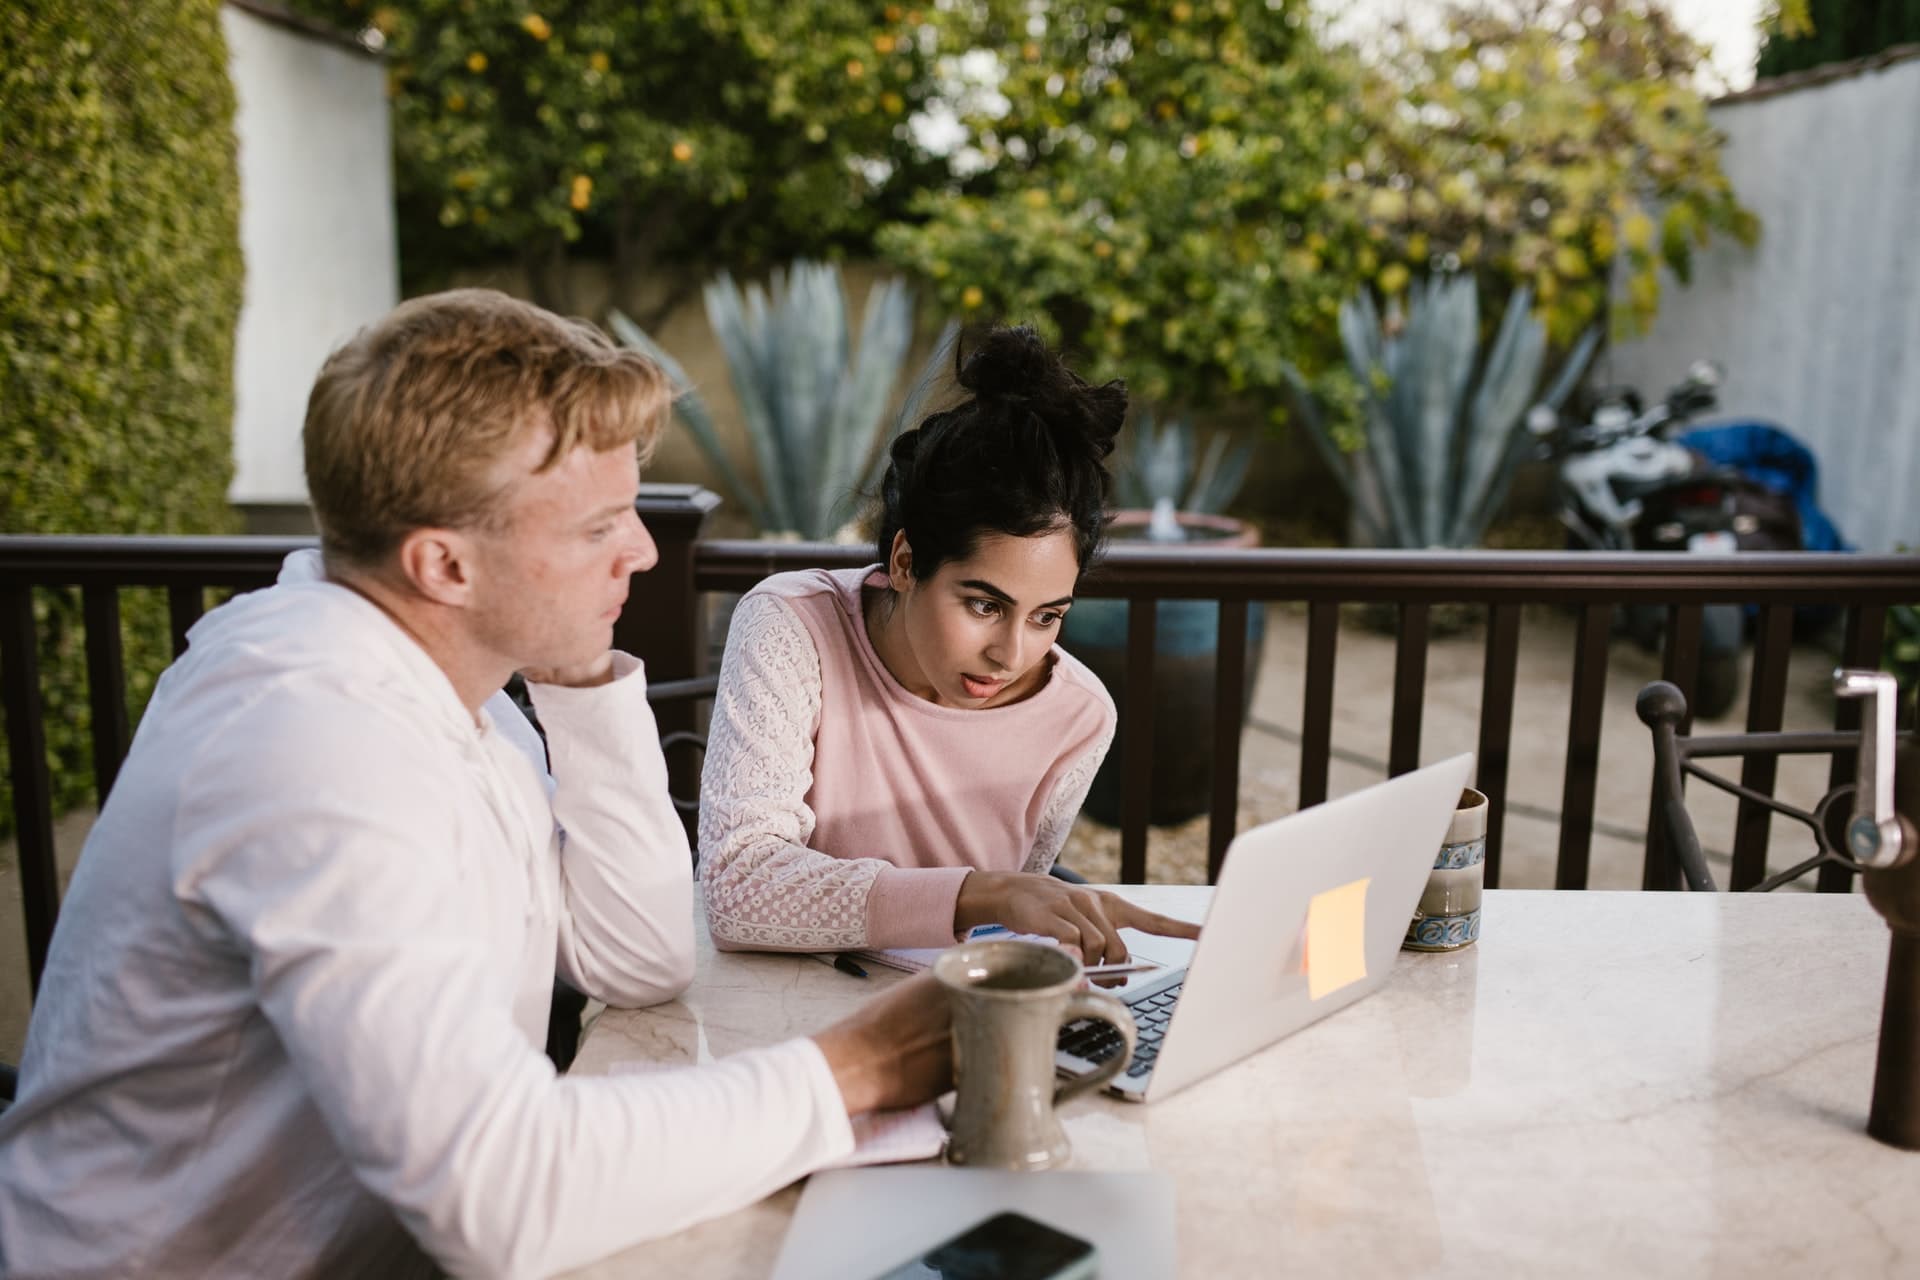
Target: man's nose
<point>641,553</point>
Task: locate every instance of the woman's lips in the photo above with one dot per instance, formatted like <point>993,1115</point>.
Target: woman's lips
<point>978,688</point>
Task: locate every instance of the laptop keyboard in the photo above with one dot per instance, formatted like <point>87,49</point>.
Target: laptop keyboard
<point>1095,1041</point>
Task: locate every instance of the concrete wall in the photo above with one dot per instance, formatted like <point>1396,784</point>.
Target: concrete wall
<point>1819,325</point>
<point>316,229</point>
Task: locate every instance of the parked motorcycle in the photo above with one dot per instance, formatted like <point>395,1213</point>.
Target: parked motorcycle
<point>1626,484</point>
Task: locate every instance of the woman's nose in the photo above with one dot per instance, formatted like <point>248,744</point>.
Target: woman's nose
<point>1006,649</point>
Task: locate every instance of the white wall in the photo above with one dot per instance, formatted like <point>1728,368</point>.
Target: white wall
<point>1819,325</point>
<point>316,229</point>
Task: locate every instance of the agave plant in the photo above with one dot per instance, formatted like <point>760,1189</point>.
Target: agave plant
<point>812,401</point>
<point>1156,465</point>
<point>1441,427</point>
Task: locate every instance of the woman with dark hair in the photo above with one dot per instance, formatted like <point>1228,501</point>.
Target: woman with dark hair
<point>898,752</point>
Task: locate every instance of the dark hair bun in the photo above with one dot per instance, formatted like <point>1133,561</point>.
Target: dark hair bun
<point>1012,369</point>
<point>1024,454</point>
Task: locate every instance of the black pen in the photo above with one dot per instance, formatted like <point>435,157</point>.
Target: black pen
<point>844,963</point>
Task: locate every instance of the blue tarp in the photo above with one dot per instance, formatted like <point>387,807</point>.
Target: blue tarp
<point>1769,455</point>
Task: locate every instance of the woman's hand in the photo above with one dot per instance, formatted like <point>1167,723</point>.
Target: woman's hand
<point>1083,918</point>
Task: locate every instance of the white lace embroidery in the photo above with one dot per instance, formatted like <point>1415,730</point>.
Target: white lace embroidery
<point>1063,806</point>
<point>764,888</point>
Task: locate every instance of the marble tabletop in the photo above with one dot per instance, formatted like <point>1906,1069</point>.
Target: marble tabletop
<point>1660,1084</point>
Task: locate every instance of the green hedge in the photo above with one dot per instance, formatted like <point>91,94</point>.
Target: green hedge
<point>120,276</point>
<point>1842,30</point>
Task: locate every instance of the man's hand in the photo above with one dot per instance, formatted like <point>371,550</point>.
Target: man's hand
<point>1084,918</point>
<point>586,675</point>
<point>895,1051</point>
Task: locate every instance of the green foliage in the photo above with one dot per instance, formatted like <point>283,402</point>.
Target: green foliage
<point>1535,145</point>
<point>120,281</point>
<point>1187,191</point>
<point>1442,425</point>
<point>811,400</point>
<point>1157,462</point>
<point>1154,191</point>
<point>728,131</point>
<point>1811,33</point>
<point>1900,654</point>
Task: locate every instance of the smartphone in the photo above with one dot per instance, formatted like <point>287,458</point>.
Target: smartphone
<point>1007,1246</point>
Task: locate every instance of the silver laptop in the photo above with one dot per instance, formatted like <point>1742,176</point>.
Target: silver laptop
<point>1196,1013</point>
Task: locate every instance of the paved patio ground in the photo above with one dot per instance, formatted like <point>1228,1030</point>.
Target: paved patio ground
<point>1362,723</point>
<point>1270,764</point>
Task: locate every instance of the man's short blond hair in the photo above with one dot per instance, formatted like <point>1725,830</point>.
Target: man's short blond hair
<point>409,421</point>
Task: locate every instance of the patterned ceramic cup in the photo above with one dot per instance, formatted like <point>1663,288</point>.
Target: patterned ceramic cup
<point>1448,916</point>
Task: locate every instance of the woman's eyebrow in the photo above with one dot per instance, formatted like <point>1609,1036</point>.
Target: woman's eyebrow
<point>987,588</point>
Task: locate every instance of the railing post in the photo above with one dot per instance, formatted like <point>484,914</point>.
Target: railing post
<point>664,623</point>
<point>27,765</point>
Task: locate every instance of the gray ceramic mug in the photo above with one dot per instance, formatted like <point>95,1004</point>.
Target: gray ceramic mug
<point>1010,1000</point>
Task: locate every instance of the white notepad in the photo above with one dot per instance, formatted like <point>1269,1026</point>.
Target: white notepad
<point>854,1224</point>
<point>879,1137</point>
<point>895,1137</point>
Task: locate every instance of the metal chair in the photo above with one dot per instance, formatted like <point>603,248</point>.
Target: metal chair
<point>1662,707</point>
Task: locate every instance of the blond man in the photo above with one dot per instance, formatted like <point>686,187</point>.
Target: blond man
<point>291,1019</point>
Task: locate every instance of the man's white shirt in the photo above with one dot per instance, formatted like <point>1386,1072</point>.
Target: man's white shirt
<point>291,1019</point>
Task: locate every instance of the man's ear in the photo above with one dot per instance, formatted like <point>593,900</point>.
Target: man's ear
<point>438,564</point>
<point>900,562</point>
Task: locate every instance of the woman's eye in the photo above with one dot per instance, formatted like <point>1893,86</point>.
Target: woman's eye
<point>983,608</point>
<point>1048,619</point>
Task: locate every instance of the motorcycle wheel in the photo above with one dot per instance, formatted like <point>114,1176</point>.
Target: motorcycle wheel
<point>1722,629</point>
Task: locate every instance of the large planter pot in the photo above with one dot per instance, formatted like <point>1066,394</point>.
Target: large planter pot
<point>1186,637</point>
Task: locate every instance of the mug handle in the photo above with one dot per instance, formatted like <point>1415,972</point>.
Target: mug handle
<point>1105,1008</point>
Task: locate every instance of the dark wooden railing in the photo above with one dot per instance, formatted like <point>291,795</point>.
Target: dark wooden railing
<point>664,623</point>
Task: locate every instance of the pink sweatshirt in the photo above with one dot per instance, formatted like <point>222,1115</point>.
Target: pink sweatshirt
<point>838,810</point>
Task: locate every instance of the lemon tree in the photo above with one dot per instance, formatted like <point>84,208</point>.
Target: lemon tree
<point>1544,146</point>
<point>1156,189</point>
<point>689,131</point>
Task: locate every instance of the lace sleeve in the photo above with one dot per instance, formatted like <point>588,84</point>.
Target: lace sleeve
<point>764,888</point>
<point>1064,805</point>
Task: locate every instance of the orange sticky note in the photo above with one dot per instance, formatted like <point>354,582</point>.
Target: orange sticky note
<point>1336,939</point>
